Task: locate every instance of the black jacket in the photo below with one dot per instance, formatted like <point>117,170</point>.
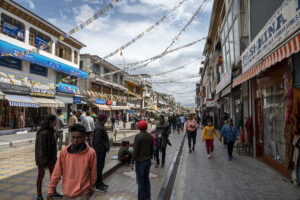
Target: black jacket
<point>163,130</point>
<point>101,141</point>
<point>142,147</point>
<point>45,148</point>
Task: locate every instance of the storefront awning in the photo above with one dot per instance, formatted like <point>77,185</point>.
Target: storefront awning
<point>120,107</point>
<point>102,107</point>
<point>64,99</point>
<point>284,51</point>
<point>2,95</point>
<point>21,101</point>
<point>45,102</point>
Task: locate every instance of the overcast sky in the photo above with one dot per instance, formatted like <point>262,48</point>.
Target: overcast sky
<point>128,19</point>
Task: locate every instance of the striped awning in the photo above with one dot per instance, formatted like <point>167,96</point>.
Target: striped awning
<point>292,46</point>
<point>102,107</point>
<point>45,102</point>
<point>21,101</point>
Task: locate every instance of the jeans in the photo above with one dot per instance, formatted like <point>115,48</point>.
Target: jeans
<point>40,177</point>
<point>100,166</point>
<point>178,127</point>
<point>209,145</point>
<point>191,136</point>
<point>163,156</point>
<point>142,170</point>
<point>230,145</point>
<point>59,136</point>
<point>298,174</point>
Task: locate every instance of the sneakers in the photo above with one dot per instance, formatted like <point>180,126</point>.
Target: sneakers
<point>105,186</point>
<point>101,189</point>
<point>40,197</point>
<point>57,195</point>
<point>208,156</point>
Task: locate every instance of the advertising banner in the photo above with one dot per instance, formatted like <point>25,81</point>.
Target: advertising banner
<point>13,31</point>
<point>77,100</point>
<point>100,101</point>
<point>70,89</point>
<point>284,22</point>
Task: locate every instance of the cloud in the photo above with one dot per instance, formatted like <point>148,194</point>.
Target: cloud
<point>68,1</point>
<point>29,2</point>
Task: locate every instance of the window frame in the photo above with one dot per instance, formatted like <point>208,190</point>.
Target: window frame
<point>35,33</point>
<point>12,24</point>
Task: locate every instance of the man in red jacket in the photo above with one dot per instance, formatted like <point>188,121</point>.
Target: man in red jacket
<point>77,164</point>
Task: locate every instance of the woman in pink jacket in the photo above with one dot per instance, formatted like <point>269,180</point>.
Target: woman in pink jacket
<point>191,127</point>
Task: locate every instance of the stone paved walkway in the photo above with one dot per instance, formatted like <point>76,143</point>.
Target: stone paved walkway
<point>244,178</point>
<point>123,182</point>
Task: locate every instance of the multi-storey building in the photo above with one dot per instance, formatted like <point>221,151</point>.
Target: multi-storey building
<point>103,92</point>
<point>36,83</point>
<point>252,52</point>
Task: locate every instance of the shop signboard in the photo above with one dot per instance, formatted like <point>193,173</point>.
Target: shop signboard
<point>108,102</point>
<point>70,89</point>
<point>113,103</point>
<point>34,91</point>
<point>210,103</point>
<point>13,31</point>
<point>100,101</point>
<point>224,82</point>
<point>15,89</point>
<point>284,22</point>
<point>77,100</point>
<point>38,59</point>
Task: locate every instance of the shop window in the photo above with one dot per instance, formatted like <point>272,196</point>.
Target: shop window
<point>11,62</point>
<point>63,51</point>
<point>273,120</point>
<point>12,27</point>
<point>75,57</point>
<point>37,39</point>
<point>81,65</point>
<point>38,70</point>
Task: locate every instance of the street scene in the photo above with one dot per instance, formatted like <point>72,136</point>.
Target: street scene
<point>149,99</point>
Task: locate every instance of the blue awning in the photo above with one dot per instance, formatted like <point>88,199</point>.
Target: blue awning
<point>21,101</point>
<point>6,48</point>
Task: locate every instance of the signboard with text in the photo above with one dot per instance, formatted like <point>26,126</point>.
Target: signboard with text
<point>284,22</point>
<point>100,101</point>
<point>108,102</point>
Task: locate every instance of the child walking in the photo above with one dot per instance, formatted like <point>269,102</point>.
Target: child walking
<point>208,135</point>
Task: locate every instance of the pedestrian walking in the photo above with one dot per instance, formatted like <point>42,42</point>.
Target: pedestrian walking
<point>72,121</point>
<point>59,129</point>
<point>142,154</point>
<point>119,118</point>
<point>206,118</point>
<point>124,119</point>
<point>174,125</point>
<point>89,125</point>
<point>208,135</point>
<point>124,155</point>
<point>101,146</point>
<point>191,132</point>
<point>230,133</point>
<point>45,153</point>
<point>77,165</point>
<point>178,124</point>
<point>113,121</point>
<point>162,139</point>
<point>79,115</point>
<point>182,120</point>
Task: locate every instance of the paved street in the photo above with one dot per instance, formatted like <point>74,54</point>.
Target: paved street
<point>244,178</point>
<point>123,183</point>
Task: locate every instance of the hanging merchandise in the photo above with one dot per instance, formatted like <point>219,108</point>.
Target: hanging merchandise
<point>68,34</point>
<point>143,33</point>
<point>184,28</point>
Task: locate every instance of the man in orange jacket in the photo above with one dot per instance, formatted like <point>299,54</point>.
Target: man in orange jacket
<point>78,181</point>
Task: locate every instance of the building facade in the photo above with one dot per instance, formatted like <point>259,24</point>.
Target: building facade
<point>35,84</point>
<point>252,53</point>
